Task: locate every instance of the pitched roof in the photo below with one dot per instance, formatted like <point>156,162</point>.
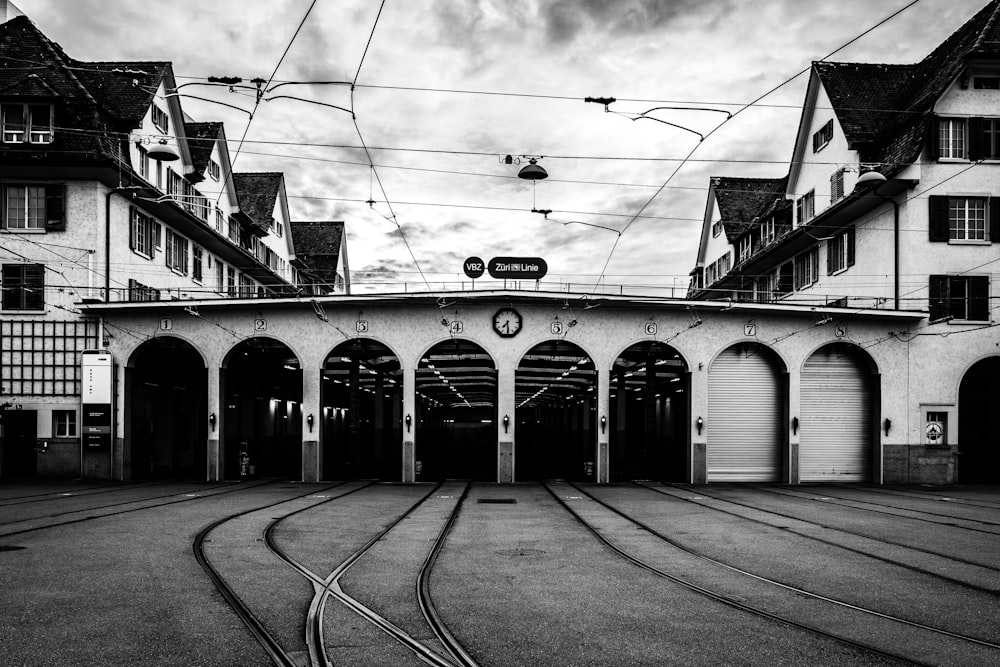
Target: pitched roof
<point>318,245</point>
<point>257,193</point>
<point>742,200</point>
<point>883,108</point>
<point>201,140</point>
<point>98,98</point>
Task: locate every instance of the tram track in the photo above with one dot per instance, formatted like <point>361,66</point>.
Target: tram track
<point>913,493</point>
<point>858,505</point>
<point>277,654</point>
<point>742,604</point>
<point>83,492</point>
<point>235,486</point>
<point>957,559</point>
<point>329,586</point>
<point>109,505</point>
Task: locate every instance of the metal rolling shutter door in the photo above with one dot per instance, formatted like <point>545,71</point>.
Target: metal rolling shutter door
<point>835,424</point>
<point>744,414</point>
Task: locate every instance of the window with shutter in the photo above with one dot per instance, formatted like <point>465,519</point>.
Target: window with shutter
<point>837,186</point>
<point>964,298</point>
<point>951,138</point>
<point>23,286</point>
<point>34,207</point>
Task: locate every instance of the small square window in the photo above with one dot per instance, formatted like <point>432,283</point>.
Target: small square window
<point>64,423</point>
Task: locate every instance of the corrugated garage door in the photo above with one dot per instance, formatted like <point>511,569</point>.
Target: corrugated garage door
<point>835,421</point>
<point>744,417</point>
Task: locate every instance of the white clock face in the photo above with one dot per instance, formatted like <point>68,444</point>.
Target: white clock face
<point>507,322</point>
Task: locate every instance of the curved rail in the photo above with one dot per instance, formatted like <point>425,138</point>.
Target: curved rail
<point>788,587</point>
<point>718,597</point>
<point>271,646</point>
<point>440,630</point>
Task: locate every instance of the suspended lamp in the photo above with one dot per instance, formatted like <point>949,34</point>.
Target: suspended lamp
<point>533,171</point>
<point>162,152</point>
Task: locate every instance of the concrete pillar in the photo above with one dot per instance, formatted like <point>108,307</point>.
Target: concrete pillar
<point>791,453</point>
<point>506,436</point>
<point>311,467</point>
<point>213,408</point>
<point>699,408</point>
<point>118,454</point>
<point>379,422</point>
<point>409,430</point>
<point>601,472</point>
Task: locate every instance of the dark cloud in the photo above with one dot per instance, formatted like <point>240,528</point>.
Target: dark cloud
<point>566,19</point>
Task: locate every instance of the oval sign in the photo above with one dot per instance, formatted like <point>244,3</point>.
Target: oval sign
<point>518,267</point>
<point>474,267</point>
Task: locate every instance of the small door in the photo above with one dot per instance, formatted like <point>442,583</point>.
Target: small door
<point>20,456</point>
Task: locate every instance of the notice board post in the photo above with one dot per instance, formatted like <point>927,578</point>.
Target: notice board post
<point>96,414</point>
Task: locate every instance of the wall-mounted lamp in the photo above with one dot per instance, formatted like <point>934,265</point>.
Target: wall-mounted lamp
<point>795,425</point>
<point>887,424</point>
<point>309,420</point>
<point>506,423</point>
<point>699,423</point>
<point>211,420</point>
<point>604,423</point>
<point>409,422</point>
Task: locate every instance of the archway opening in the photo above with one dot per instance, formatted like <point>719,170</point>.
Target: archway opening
<point>262,399</point>
<point>456,420</point>
<point>979,423</point>
<point>166,388</point>
<point>650,399</point>
<point>555,390</point>
<point>362,403</point>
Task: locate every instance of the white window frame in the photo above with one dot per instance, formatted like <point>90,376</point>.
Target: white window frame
<point>143,236</point>
<point>837,248</point>
<point>160,118</point>
<point>214,171</point>
<point>805,207</point>
<point>823,136</point>
<point>197,259</point>
<point>26,131</point>
<point>963,226</point>
<point>952,138</point>
<point>177,252</point>
<point>64,424</point>
<point>30,214</point>
<point>806,269</point>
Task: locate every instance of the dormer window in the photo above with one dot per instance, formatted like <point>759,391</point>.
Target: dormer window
<point>27,123</point>
<point>822,136</point>
<point>161,119</point>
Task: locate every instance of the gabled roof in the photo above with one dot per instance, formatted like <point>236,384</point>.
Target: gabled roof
<point>318,245</point>
<point>124,89</point>
<point>31,86</point>
<point>201,140</point>
<point>258,193</point>
<point>883,108</point>
<point>742,200</point>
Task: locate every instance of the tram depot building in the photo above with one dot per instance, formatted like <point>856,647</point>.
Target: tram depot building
<point>840,324</point>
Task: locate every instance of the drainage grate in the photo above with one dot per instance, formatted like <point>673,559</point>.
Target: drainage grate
<point>497,501</point>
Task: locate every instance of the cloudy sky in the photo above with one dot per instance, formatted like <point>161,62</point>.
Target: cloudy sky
<point>448,87</point>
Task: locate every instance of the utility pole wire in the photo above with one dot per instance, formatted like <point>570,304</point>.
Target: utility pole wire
<point>736,113</point>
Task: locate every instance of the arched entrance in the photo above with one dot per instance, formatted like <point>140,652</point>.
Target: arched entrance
<point>555,386</point>
<point>166,385</point>
<point>262,401</point>
<point>456,386</point>
<point>747,413</point>
<point>837,407</point>
<point>979,423</point>
<point>362,403</point>
<point>650,398</point>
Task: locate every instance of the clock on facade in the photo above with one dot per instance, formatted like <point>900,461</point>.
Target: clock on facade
<point>507,322</point>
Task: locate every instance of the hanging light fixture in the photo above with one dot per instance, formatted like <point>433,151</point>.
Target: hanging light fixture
<point>161,151</point>
<point>532,171</point>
